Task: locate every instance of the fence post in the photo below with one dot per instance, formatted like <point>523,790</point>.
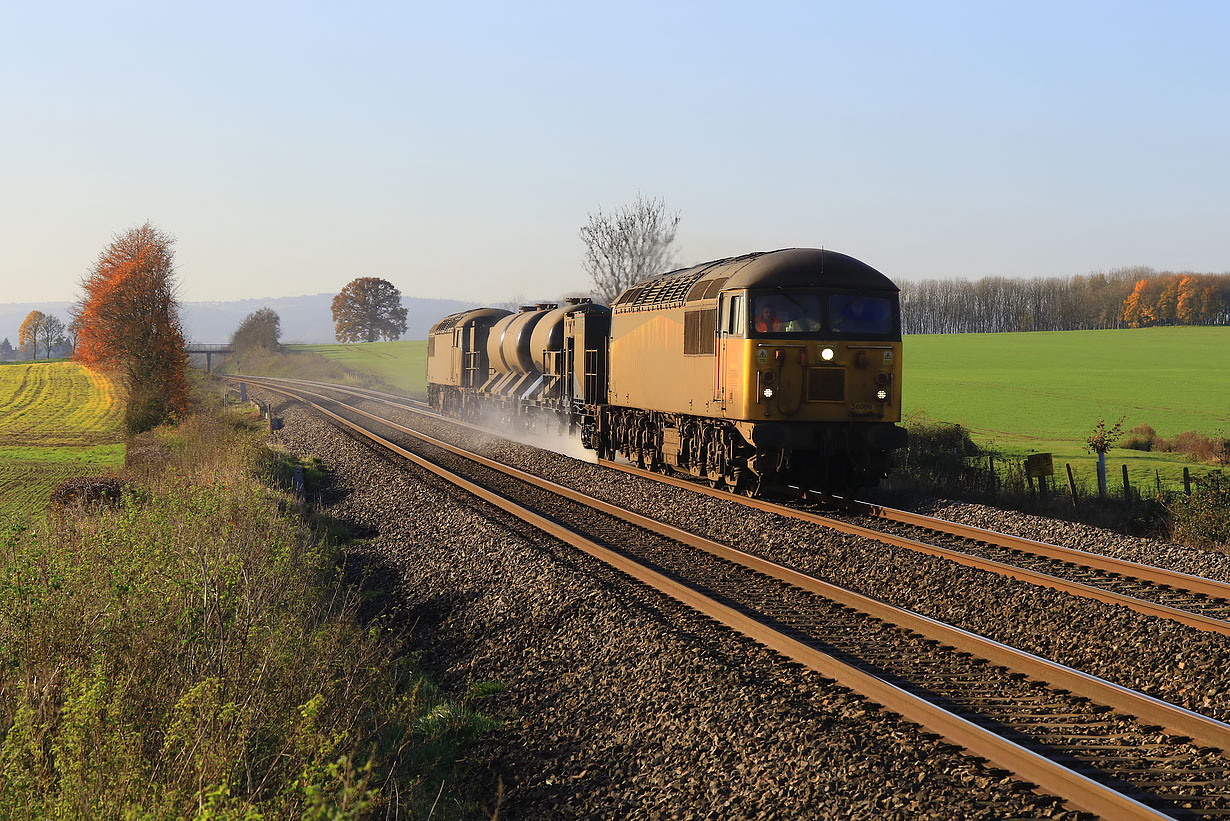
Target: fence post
<point>1071,483</point>
<point>1127,488</point>
<point>1187,481</point>
<point>1030,479</point>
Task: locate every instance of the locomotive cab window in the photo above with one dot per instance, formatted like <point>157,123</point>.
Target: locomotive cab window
<point>861,314</point>
<point>787,313</point>
<point>733,322</point>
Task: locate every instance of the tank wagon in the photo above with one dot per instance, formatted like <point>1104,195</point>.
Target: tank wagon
<point>771,368</point>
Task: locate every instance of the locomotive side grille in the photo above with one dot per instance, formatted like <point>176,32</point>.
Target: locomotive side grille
<point>826,384</point>
<point>699,328</point>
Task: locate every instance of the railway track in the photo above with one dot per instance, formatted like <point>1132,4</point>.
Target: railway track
<point>1153,591</point>
<point>1102,748</point>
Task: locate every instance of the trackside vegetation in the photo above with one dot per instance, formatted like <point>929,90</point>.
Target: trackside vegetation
<point>195,646</point>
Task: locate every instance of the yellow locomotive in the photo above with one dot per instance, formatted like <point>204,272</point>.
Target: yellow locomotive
<point>772,368</point>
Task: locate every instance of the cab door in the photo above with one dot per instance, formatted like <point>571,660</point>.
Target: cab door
<point>719,358</point>
<point>726,379</point>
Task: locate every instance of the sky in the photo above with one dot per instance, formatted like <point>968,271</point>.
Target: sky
<point>457,148</point>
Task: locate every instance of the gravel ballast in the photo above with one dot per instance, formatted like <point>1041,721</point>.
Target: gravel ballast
<point>1162,658</point>
<point>620,702</point>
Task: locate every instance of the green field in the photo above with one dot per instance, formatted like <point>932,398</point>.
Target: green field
<point>1044,391</point>
<point>57,420</point>
<point>401,364</point>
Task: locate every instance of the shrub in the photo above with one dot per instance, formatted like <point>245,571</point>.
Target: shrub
<point>1203,519</point>
<point>1141,437</point>
<point>939,454</point>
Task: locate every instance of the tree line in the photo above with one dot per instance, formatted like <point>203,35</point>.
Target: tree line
<point>1137,297</point>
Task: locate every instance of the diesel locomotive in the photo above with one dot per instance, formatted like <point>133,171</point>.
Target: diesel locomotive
<point>772,368</point>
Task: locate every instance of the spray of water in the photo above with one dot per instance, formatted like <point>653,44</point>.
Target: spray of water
<point>544,436</point>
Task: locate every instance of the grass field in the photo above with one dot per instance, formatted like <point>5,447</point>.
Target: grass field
<point>402,364</point>
<point>1044,392</point>
<point>57,420</point>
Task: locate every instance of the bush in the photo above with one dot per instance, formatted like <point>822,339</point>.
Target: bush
<point>939,454</point>
<point>1141,437</point>
<point>1203,519</point>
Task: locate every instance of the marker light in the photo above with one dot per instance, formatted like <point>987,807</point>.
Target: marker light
<point>768,393</point>
<point>881,395</point>
<point>827,354</point>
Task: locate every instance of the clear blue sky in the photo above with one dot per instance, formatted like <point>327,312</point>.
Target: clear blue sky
<point>455,148</point>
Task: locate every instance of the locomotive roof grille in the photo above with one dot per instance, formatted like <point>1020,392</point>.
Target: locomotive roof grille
<point>786,268</point>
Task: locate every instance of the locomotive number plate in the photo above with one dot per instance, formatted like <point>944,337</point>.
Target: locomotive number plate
<point>860,408</point>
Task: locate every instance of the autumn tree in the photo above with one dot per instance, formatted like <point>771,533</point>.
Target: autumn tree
<point>367,309</point>
<point>31,332</point>
<point>130,325</point>
<point>628,245</point>
<point>259,329</point>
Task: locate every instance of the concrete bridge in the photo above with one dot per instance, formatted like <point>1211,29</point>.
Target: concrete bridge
<point>208,350</point>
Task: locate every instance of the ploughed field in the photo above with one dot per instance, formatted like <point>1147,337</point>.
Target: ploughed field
<point>57,420</point>
<point>1044,391</point>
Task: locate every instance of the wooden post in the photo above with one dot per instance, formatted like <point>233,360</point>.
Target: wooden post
<point>1042,486</point>
<point>1071,483</point>
<point>991,467</point>
<point>1157,474</point>
<point>1187,481</point>
<point>1030,479</point>
<point>1127,488</point>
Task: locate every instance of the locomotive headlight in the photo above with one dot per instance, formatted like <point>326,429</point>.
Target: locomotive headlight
<point>827,354</point>
<point>768,393</point>
<point>881,394</point>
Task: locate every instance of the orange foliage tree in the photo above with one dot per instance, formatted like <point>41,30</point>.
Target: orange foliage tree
<point>30,332</point>
<point>128,324</point>
<point>367,309</point>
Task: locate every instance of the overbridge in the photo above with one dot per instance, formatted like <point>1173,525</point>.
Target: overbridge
<point>208,350</point>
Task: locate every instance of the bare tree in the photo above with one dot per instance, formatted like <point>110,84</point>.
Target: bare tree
<point>52,331</point>
<point>628,245</point>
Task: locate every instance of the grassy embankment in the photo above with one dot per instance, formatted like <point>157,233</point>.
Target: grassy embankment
<point>1044,391</point>
<point>196,649</point>
<point>57,420</point>
<point>401,364</point>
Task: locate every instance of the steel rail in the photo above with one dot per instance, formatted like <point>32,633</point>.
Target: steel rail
<point>1080,791</point>
<point>1156,575</point>
<point>1143,606</point>
<point>1147,573</point>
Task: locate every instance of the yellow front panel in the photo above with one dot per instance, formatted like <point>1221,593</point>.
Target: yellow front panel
<point>783,366</point>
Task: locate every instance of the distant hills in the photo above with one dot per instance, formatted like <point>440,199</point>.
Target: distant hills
<point>304,318</point>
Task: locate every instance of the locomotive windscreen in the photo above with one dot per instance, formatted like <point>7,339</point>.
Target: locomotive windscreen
<point>860,314</point>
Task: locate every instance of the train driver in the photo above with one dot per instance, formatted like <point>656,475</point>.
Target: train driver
<point>766,319</point>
